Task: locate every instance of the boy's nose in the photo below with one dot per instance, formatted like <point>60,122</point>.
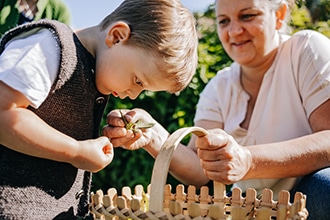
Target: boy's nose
<point>134,93</point>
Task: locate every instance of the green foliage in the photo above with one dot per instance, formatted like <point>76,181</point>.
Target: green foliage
<point>308,16</point>
<point>173,111</point>
<point>319,9</point>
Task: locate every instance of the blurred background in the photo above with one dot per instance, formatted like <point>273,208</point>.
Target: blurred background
<point>84,13</point>
<point>173,111</point>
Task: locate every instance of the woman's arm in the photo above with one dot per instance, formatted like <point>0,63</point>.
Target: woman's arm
<point>226,161</point>
<point>295,157</point>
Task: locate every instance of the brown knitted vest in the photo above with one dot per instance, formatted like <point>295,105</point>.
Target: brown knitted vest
<point>34,188</point>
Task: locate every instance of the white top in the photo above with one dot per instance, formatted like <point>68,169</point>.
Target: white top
<point>297,82</point>
<point>29,64</point>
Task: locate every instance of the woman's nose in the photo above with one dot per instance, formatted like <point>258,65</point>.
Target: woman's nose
<point>235,28</point>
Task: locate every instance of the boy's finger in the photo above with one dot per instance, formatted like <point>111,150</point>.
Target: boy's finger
<point>107,149</point>
<point>114,132</point>
<point>114,119</point>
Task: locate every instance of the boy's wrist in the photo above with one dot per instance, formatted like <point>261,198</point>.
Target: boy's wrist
<point>72,152</point>
<point>158,138</point>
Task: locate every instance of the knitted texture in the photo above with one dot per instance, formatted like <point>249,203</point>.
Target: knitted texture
<point>35,188</point>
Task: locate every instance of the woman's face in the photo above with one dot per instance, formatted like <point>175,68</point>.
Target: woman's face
<point>247,30</point>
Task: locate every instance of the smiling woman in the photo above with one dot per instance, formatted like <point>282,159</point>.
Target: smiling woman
<point>99,9</point>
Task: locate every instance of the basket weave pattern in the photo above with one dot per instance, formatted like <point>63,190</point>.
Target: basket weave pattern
<point>159,203</point>
<point>181,205</point>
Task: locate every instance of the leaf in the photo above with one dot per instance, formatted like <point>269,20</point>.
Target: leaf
<point>134,126</point>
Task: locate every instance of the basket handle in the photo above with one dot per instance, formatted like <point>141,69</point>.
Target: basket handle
<point>162,164</point>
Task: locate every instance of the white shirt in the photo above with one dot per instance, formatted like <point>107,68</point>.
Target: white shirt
<point>29,64</point>
<point>297,82</point>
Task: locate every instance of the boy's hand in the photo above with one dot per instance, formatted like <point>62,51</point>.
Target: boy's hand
<point>94,154</point>
<point>116,130</point>
<point>120,135</point>
<point>134,126</point>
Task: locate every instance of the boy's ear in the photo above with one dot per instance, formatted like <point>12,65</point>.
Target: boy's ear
<point>280,16</point>
<point>118,32</point>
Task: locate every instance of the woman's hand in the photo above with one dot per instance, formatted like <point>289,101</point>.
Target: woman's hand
<point>222,158</point>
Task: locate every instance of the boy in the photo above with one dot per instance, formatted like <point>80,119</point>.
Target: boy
<point>54,86</point>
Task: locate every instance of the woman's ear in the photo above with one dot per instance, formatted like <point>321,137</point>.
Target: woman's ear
<point>280,16</point>
<point>118,32</point>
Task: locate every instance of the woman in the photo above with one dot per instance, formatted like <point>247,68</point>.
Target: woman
<point>268,113</point>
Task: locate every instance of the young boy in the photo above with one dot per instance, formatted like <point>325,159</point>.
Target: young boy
<point>54,86</point>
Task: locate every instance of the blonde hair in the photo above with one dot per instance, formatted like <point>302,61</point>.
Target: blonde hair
<point>165,28</point>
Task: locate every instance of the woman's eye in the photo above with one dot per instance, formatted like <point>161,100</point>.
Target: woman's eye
<point>223,22</point>
<point>248,17</point>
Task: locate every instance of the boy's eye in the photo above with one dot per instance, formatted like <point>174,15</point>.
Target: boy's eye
<point>138,82</point>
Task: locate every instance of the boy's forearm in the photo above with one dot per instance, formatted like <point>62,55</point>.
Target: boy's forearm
<point>158,136</point>
<point>21,130</point>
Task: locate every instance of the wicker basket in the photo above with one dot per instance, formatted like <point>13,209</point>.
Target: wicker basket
<point>160,203</point>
